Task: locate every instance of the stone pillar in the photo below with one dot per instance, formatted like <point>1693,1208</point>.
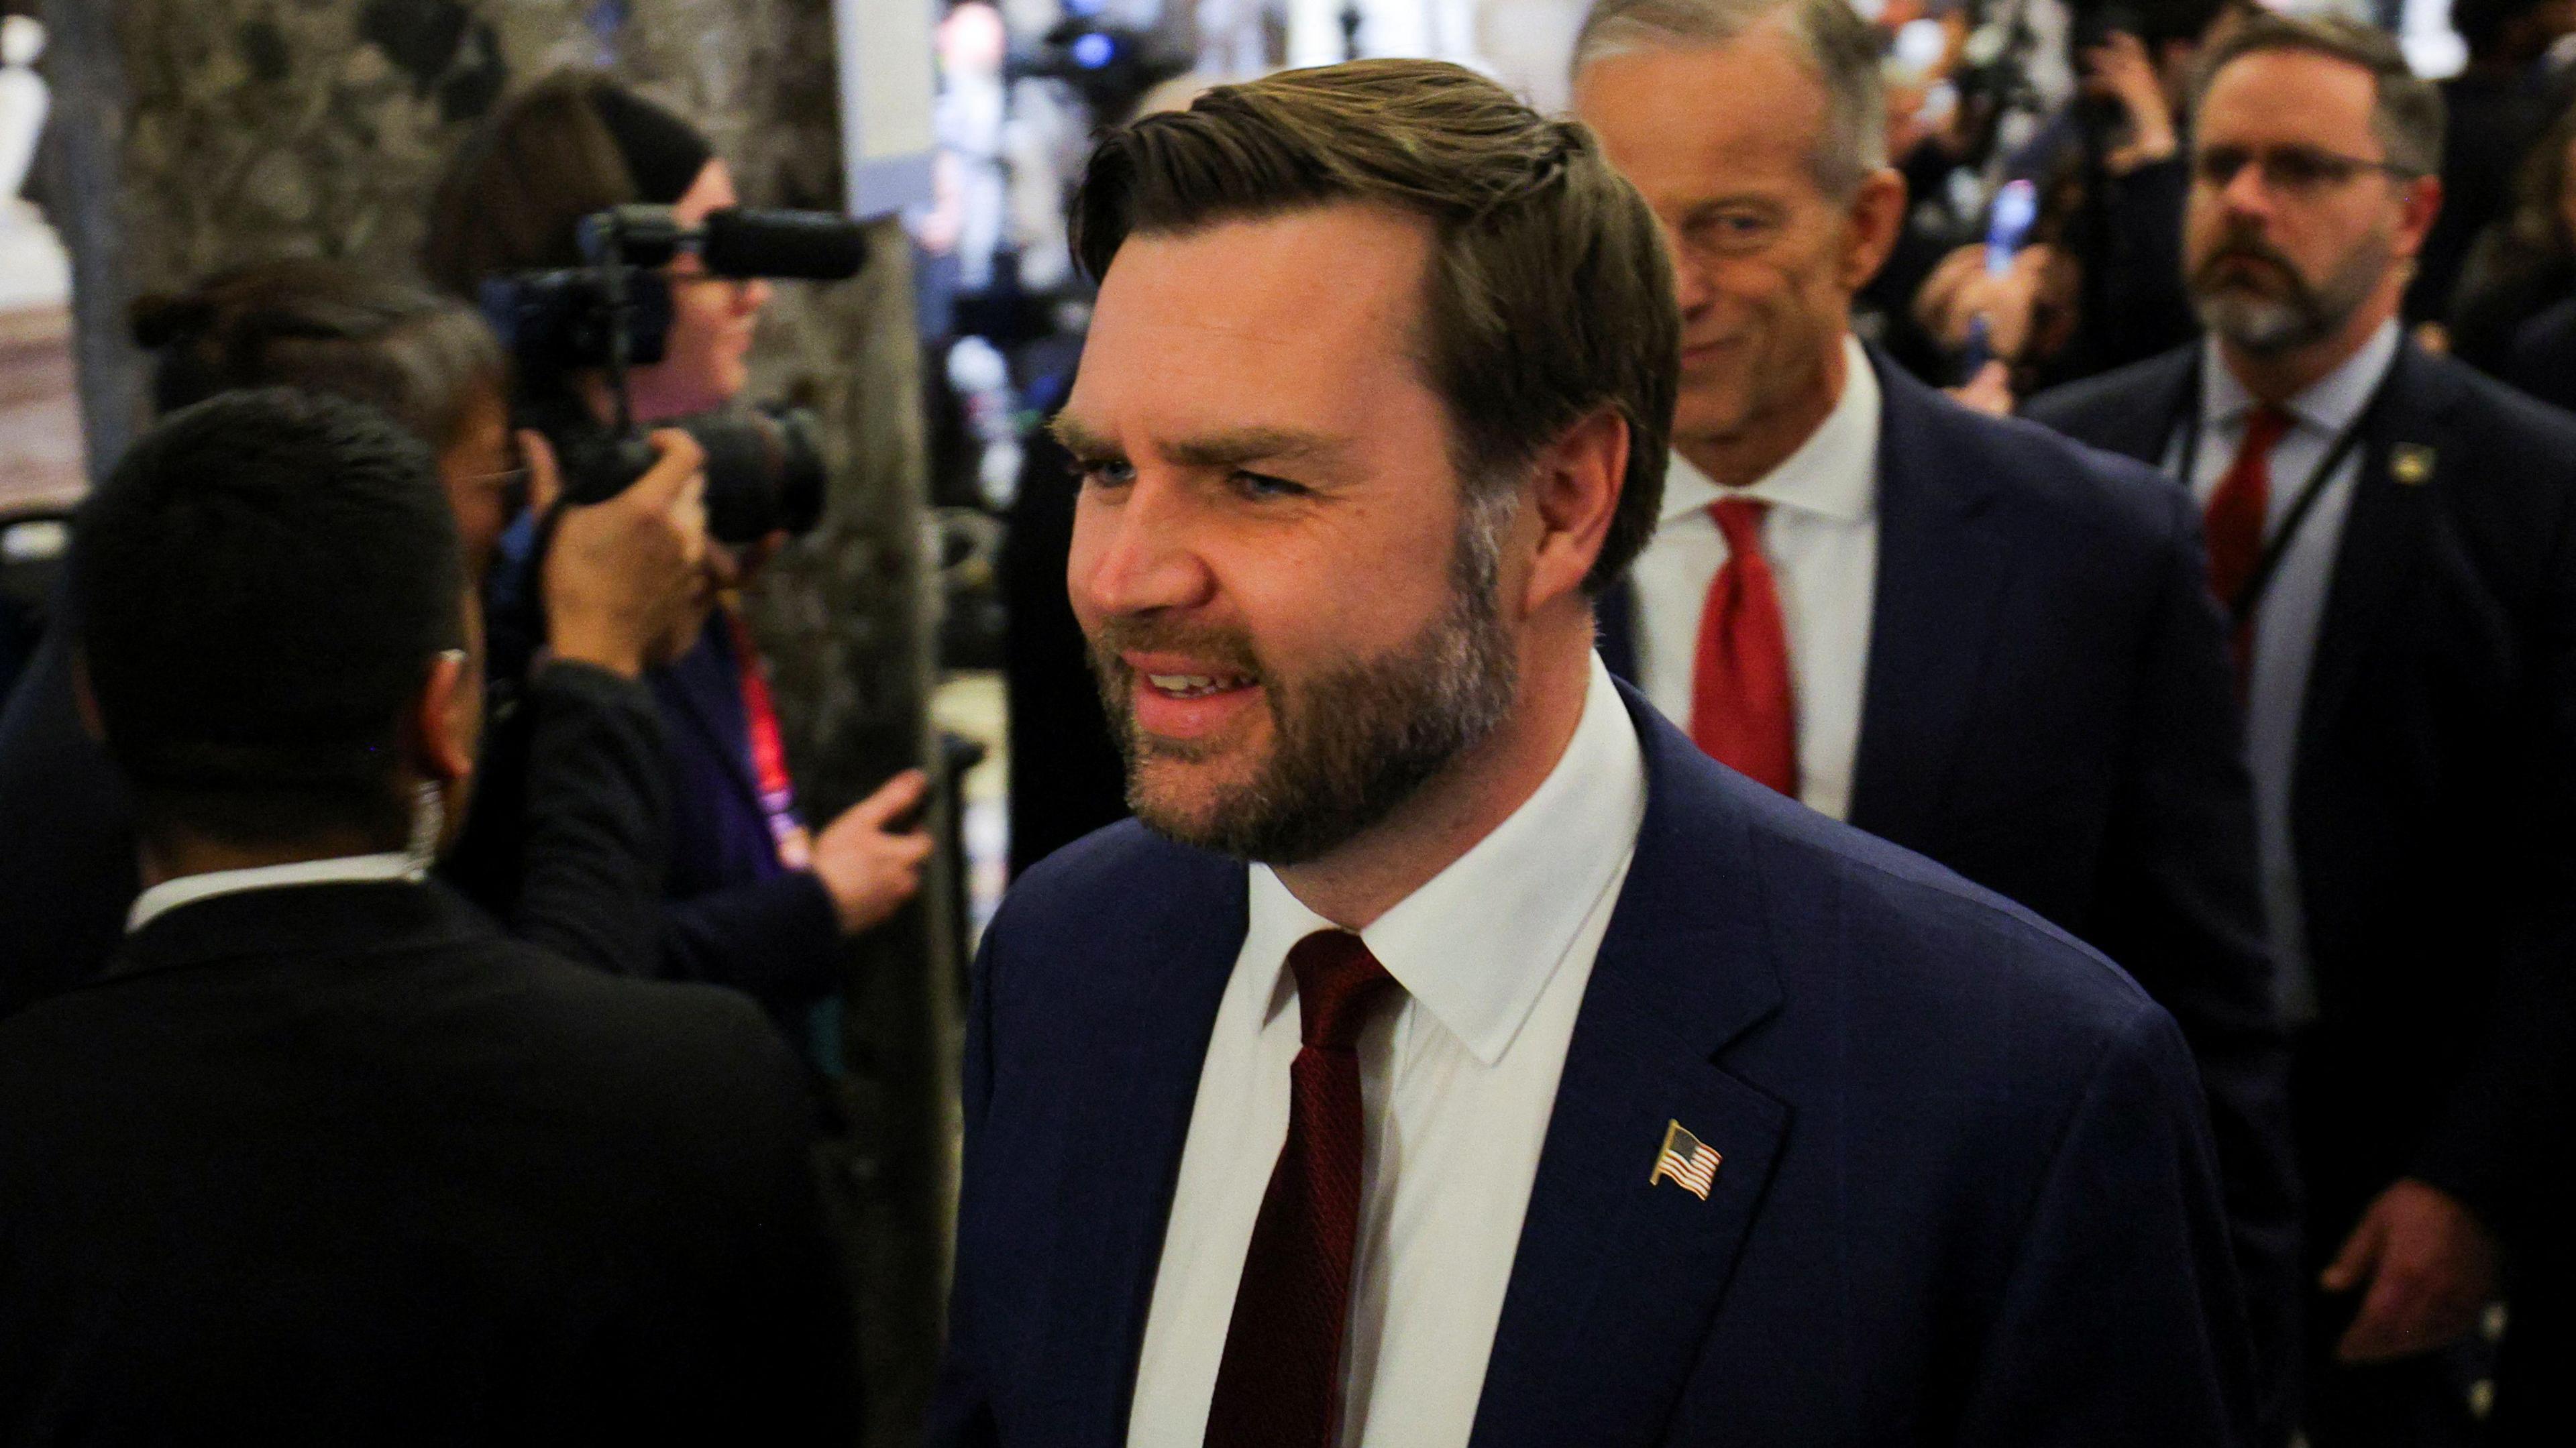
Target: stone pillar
<point>196,134</point>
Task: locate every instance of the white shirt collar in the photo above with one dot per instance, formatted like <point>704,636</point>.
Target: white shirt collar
<point>1833,473</point>
<point>2329,404</point>
<point>1477,944</point>
<point>169,895</point>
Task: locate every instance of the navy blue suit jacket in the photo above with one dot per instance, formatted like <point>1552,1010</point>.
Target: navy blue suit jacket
<point>736,916</point>
<point>1968,1195</point>
<point>2047,710</point>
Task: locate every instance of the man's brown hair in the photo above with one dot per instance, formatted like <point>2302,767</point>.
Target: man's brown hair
<point>2407,113</point>
<point>1549,296</point>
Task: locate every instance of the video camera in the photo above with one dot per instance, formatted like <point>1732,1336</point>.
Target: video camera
<point>1109,66</point>
<point>764,472</point>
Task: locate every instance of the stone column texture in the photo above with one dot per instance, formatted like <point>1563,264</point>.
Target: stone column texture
<point>191,135</point>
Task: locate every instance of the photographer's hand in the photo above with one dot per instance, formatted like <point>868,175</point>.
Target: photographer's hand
<point>2119,70</point>
<point>626,576</point>
<point>869,870</point>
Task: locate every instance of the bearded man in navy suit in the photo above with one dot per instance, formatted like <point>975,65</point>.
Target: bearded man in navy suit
<point>1451,1052</point>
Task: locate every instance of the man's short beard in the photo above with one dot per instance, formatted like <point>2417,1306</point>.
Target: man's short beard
<point>2268,325</point>
<point>1350,745</point>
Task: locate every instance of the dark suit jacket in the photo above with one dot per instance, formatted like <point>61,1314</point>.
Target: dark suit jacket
<point>736,916</point>
<point>2047,710</point>
<point>1967,1194</point>
<point>2433,789</point>
<point>343,1164</point>
<point>2544,356</point>
<point>67,864</point>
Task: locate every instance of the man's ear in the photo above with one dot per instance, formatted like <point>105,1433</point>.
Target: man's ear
<point>447,719</point>
<point>1575,490</point>
<point>2422,203</point>
<point>1875,218</point>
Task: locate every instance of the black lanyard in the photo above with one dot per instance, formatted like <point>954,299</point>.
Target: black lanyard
<point>2247,599</point>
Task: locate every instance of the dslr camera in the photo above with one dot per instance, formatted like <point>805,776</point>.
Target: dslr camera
<point>764,472</point>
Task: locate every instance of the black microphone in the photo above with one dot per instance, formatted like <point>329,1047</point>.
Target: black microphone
<point>745,241</point>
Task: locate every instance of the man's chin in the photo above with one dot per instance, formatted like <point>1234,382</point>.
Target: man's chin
<point>2255,322</point>
<point>1180,802</point>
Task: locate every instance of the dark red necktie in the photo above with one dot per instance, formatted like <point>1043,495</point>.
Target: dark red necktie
<point>1280,1382</point>
<point>1741,710</point>
<point>2234,524</point>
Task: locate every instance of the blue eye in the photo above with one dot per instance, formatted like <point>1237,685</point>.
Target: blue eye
<point>1103,472</point>
<point>1262,485</point>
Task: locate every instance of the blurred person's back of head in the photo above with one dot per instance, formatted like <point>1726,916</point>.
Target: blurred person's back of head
<point>263,587</point>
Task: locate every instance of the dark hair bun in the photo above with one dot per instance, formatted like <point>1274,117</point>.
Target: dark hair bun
<point>161,320</point>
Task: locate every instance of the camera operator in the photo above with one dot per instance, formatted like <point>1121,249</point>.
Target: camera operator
<point>755,899</point>
<point>2102,287</point>
<point>624,575</point>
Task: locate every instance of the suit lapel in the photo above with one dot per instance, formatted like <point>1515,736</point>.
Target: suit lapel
<point>1942,571</point>
<point>2385,535</point>
<point>1616,1280</point>
<point>1160,980</point>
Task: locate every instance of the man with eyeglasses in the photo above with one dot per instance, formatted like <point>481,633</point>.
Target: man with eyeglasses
<point>2392,536</point>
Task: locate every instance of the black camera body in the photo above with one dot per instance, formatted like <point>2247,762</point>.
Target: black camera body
<point>764,468</point>
<point>764,472</point>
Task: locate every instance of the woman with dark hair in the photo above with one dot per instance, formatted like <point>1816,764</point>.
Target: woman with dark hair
<point>2524,262</point>
<point>625,573</point>
<point>755,899</point>
<point>573,145</point>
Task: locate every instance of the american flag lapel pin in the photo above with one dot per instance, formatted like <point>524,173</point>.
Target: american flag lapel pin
<point>1686,1161</point>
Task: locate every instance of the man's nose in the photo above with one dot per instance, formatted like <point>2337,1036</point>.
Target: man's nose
<point>1137,552</point>
<point>2245,194</point>
<point>1693,289</point>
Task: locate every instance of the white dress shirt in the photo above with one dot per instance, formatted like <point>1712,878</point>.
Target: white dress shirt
<point>169,895</point>
<point>2293,603</point>
<point>1457,1086</point>
<point>1821,537</point>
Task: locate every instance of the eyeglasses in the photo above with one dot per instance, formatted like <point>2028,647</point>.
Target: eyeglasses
<point>512,482</point>
<point>2288,170</point>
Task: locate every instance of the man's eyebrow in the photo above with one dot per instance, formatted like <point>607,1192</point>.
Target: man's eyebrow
<point>1209,450</point>
<point>1251,444</point>
<point>1079,440</point>
<point>1701,206</point>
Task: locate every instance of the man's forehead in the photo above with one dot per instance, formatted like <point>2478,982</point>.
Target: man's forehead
<point>1270,319</point>
<point>1343,264</point>
<point>2294,92</point>
<point>1688,117</point>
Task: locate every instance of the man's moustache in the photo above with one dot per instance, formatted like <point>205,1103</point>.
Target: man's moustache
<point>2246,252</point>
<point>1225,649</point>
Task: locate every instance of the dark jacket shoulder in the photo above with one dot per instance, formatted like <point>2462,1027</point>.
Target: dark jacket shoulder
<point>2109,497</point>
<point>2118,407</point>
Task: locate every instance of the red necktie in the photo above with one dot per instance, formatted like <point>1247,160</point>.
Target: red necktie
<point>1741,709</point>
<point>1279,1384</point>
<point>2235,522</point>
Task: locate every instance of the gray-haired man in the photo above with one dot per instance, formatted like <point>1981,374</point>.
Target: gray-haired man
<point>1953,632</point>
<point>1958,633</point>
